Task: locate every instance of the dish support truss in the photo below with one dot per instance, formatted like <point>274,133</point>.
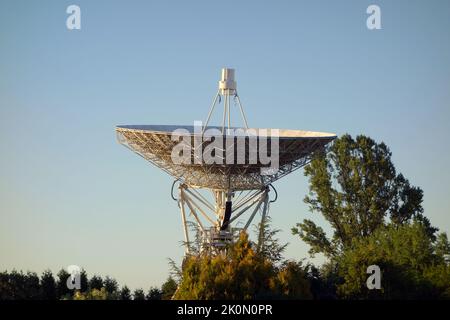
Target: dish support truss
<point>214,219</point>
<point>157,147</point>
<point>236,190</point>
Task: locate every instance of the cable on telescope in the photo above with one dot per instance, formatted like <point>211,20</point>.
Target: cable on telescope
<point>171,190</point>
<point>276,193</point>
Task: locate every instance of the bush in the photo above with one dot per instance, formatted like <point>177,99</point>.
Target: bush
<point>241,274</point>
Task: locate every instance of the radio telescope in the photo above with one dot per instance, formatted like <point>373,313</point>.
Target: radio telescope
<point>222,171</point>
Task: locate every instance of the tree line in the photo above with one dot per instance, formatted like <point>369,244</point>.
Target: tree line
<point>17,285</point>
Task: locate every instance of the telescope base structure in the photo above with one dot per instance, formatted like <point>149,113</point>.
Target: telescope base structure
<point>214,220</point>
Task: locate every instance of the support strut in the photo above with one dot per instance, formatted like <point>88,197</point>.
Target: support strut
<point>216,219</point>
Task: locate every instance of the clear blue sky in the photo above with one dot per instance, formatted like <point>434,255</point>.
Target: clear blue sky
<point>69,194</point>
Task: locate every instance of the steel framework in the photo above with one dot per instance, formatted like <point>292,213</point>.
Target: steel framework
<point>155,144</point>
<point>215,218</point>
<point>234,188</point>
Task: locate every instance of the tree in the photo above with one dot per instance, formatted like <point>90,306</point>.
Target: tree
<point>48,286</point>
<point>238,275</point>
<point>111,288</point>
<point>5,286</point>
<point>409,267</point>
<point>13,285</point>
<point>61,285</point>
<point>19,285</point>
<point>356,189</point>
<point>32,286</point>
<point>241,273</point>
<point>293,281</point>
<point>125,293</point>
<point>83,281</point>
<point>270,247</point>
<point>442,245</point>
<point>138,294</point>
<point>154,294</point>
<point>323,281</point>
<point>168,288</point>
<point>96,282</point>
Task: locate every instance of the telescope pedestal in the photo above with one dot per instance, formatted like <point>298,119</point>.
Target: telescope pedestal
<point>215,219</point>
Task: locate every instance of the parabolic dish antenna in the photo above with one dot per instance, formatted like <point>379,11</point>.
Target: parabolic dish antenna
<point>238,165</point>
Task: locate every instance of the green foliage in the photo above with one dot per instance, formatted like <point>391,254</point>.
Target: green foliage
<point>111,287</point>
<point>292,281</point>
<point>19,286</point>
<point>32,286</point>
<point>270,247</point>
<point>154,294</point>
<point>323,281</point>
<point>28,286</point>
<point>315,237</point>
<point>377,219</point>
<point>48,286</point>
<point>93,294</point>
<point>138,294</point>
<point>356,189</point>
<point>439,277</point>
<point>240,274</point>
<point>83,281</point>
<point>168,288</point>
<point>61,285</point>
<point>410,268</point>
<point>175,271</point>
<point>96,282</point>
<point>5,287</point>
<point>125,293</point>
<point>442,245</point>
